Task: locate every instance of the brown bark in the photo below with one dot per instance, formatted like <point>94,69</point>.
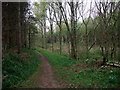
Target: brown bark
<point>0,33</point>
<point>45,44</point>
<point>29,36</point>
<point>51,25</point>
<point>73,30</point>
<point>19,29</point>
<point>51,28</point>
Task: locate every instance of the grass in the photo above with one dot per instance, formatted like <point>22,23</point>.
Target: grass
<point>94,53</point>
<point>84,75</point>
<point>19,67</point>
<point>31,81</point>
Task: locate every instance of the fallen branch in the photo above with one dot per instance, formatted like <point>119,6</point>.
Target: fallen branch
<point>4,77</point>
<point>113,65</point>
<point>91,46</point>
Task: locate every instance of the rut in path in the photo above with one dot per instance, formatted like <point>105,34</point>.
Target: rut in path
<point>46,78</point>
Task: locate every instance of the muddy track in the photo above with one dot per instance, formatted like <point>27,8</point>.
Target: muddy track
<point>46,77</point>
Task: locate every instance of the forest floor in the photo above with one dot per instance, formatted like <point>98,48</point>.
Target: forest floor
<point>45,77</point>
<point>81,74</point>
<point>56,71</point>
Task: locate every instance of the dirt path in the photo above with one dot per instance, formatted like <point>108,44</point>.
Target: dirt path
<point>45,78</point>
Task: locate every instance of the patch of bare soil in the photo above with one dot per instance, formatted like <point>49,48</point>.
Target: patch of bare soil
<point>46,79</point>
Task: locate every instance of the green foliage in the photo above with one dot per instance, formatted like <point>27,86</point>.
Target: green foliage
<point>40,9</point>
<point>18,67</point>
<point>87,77</point>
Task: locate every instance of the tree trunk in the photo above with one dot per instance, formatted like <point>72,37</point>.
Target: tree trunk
<point>42,34</point>
<point>60,40</point>
<point>51,26</point>
<point>19,29</point>
<point>29,36</point>
<point>45,44</point>
<point>60,36</point>
<point>73,30</point>
<point>0,32</point>
<point>86,41</point>
<point>104,58</point>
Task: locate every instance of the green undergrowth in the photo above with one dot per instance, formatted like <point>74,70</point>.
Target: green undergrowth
<point>77,73</point>
<point>94,53</point>
<point>18,67</point>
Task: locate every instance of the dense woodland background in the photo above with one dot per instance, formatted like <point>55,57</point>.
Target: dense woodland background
<point>98,31</point>
<point>74,29</point>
